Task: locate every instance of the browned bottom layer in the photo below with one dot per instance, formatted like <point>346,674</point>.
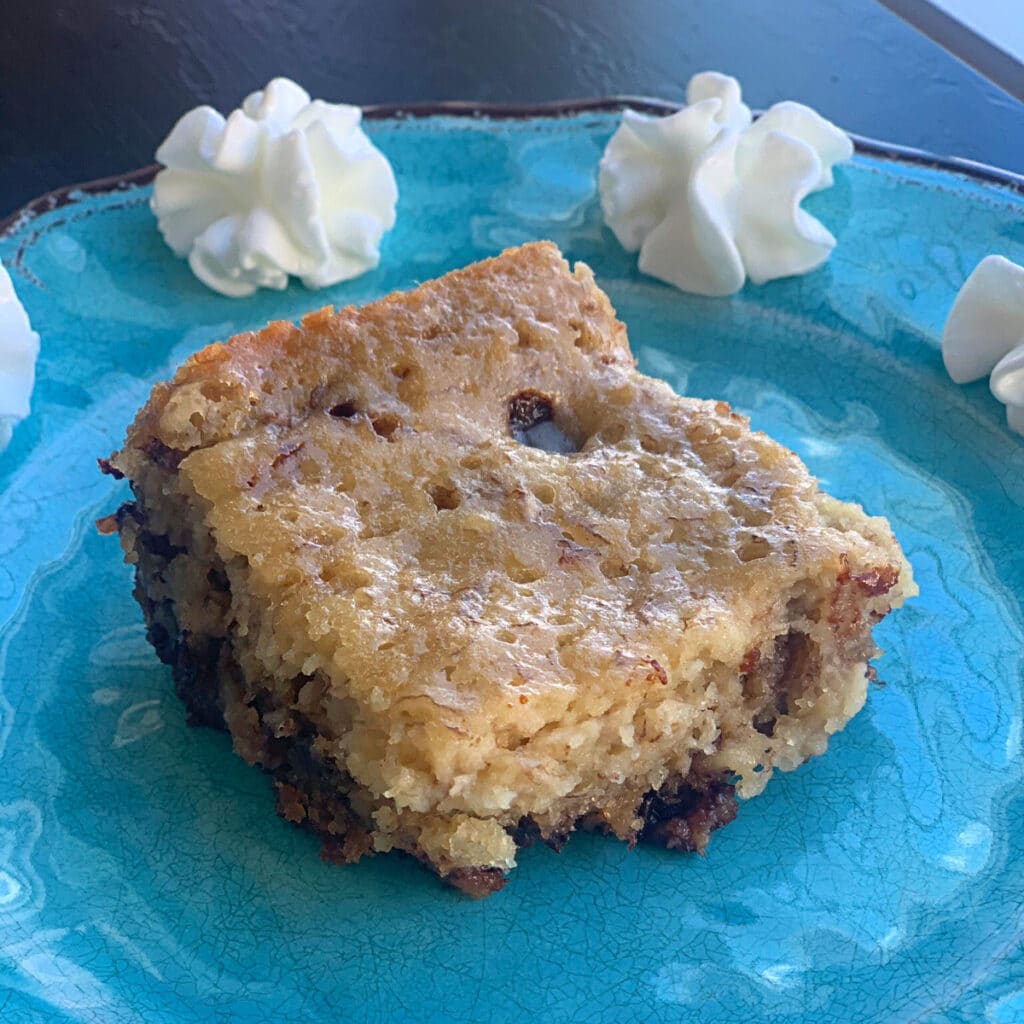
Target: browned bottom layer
<point>681,815</point>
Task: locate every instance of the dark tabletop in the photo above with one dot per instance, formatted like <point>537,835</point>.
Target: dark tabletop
<point>88,88</point>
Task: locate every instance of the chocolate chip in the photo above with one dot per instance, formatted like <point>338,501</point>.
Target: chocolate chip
<point>531,422</point>
<point>528,408</point>
<point>342,411</point>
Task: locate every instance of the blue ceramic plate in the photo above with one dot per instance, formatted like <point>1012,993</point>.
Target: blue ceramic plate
<point>144,876</point>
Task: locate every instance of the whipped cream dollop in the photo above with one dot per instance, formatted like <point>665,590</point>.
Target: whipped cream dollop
<point>19,347</point>
<point>284,185</point>
<point>984,334</point>
<point>709,196</point>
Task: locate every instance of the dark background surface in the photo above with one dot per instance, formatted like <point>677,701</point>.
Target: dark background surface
<point>88,88</point>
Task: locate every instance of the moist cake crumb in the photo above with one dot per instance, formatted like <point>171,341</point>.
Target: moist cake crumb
<point>458,577</point>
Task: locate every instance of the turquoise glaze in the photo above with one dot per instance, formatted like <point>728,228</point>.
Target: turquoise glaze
<point>144,876</point>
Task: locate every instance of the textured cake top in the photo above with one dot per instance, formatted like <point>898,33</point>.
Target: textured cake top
<point>405,546</point>
<point>449,353</point>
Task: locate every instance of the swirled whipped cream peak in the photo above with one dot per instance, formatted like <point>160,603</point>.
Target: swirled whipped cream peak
<point>709,196</point>
<point>19,347</point>
<point>285,185</point>
<point>984,333</point>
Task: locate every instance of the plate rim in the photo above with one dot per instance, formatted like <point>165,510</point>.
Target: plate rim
<point>471,109</point>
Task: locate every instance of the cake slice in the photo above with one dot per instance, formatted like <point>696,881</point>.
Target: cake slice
<point>458,577</point>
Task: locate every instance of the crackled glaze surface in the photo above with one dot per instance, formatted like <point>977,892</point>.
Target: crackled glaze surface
<point>143,874</point>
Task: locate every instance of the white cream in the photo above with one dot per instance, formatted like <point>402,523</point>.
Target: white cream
<point>709,197</point>
<point>984,333</point>
<point>284,186</point>
<point>1007,384</point>
<point>19,348</point>
<point>986,321</point>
